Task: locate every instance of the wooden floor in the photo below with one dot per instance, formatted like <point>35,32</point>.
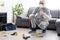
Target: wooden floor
<point>50,35</point>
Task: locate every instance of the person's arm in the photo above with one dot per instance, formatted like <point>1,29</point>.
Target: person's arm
<point>46,15</point>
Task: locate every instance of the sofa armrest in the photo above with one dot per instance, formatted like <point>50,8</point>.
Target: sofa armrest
<point>23,21</point>
<point>58,22</point>
<point>52,20</point>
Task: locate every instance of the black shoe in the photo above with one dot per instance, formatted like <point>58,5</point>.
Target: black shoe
<point>33,30</point>
<point>13,33</point>
<point>44,31</point>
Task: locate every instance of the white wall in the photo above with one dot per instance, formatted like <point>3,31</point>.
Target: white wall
<point>8,4</point>
<point>30,3</point>
<point>53,4</point>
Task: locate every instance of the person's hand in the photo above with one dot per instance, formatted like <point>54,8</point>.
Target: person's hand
<point>30,17</point>
<point>41,13</point>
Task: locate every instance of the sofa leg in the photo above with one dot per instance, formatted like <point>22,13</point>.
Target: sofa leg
<point>58,34</point>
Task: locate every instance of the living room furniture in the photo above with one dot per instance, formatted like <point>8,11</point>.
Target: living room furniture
<point>22,22</point>
<point>58,27</point>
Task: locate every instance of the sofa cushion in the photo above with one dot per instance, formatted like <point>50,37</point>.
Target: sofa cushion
<point>30,10</point>
<point>54,13</point>
<point>59,14</point>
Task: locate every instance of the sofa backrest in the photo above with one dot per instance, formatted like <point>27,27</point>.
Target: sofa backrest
<point>59,14</point>
<point>30,10</point>
<point>54,13</point>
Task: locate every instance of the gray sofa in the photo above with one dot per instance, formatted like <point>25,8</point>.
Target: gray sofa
<point>25,22</point>
<point>55,16</point>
